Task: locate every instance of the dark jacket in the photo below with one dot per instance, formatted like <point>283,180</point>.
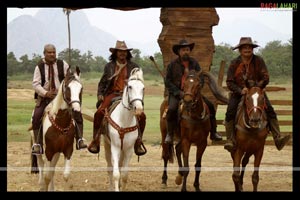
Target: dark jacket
<point>175,71</point>
<point>236,76</point>
<point>105,85</point>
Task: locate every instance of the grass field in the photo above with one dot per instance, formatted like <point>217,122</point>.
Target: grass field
<point>20,104</point>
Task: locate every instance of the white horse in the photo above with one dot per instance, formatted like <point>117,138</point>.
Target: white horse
<point>59,130</point>
<point>123,130</point>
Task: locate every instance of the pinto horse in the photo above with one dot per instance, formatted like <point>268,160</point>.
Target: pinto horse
<point>168,152</point>
<point>59,129</point>
<point>250,136</point>
<point>122,130</point>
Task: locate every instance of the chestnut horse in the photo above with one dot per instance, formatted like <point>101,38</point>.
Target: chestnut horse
<point>193,127</point>
<point>58,128</point>
<point>250,136</point>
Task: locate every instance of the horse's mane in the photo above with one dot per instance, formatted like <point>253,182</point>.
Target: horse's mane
<point>136,74</point>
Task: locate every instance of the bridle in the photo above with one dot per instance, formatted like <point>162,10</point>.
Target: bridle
<point>130,101</point>
<point>65,88</point>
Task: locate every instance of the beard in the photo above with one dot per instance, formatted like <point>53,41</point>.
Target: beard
<point>185,57</point>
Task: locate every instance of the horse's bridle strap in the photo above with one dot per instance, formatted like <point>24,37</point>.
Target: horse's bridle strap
<point>120,130</point>
<point>61,129</point>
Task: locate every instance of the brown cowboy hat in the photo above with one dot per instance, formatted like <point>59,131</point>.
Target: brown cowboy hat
<point>245,40</point>
<point>182,43</point>
<point>120,45</point>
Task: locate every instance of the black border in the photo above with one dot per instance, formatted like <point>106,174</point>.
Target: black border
<point>145,4</point>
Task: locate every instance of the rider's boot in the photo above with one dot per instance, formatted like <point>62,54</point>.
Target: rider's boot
<point>229,126</point>
<point>170,132</point>
<point>280,142</point>
<point>139,147</point>
<point>214,135</point>
<point>37,148</point>
<point>79,131</point>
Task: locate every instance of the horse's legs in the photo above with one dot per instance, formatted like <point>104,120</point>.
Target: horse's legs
<point>115,155</point>
<point>51,171</point>
<point>185,151</point>
<point>255,175</point>
<point>67,169</point>
<point>165,157</point>
<point>245,161</point>
<point>41,163</point>
<point>124,168</point>
<point>179,176</point>
<point>109,164</point>
<point>165,173</point>
<point>200,151</point>
<point>236,169</point>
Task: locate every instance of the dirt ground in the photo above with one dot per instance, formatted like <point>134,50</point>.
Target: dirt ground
<point>88,173</point>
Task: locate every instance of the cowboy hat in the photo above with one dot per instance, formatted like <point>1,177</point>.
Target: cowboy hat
<point>120,45</point>
<point>182,43</point>
<point>245,40</point>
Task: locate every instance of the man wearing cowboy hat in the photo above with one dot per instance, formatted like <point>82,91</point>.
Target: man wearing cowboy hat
<point>111,85</point>
<point>176,71</point>
<point>248,66</point>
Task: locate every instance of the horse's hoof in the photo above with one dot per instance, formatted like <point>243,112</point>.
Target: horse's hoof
<point>178,180</point>
<point>164,186</point>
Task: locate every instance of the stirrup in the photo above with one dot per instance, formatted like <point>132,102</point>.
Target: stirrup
<point>33,149</point>
<point>94,149</point>
<point>229,146</point>
<point>142,147</point>
<point>77,144</point>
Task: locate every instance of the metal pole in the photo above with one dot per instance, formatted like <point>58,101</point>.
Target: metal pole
<point>69,34</point>
<point>68,11</point>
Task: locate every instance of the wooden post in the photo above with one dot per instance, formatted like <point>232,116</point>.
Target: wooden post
<point>221,73</point>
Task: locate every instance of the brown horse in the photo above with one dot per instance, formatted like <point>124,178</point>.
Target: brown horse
<point>168,150</point>
<point>58,128</point>
<point>250,136</point>
<point>194,127</point>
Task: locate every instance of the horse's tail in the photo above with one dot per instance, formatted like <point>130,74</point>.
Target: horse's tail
<point>33,158</point>
<point>168,152</point>
<point>217,91</point>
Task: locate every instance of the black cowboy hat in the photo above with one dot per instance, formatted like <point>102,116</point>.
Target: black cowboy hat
<point>120,45</point>
<point>245,40</point>
<point>182,43</point>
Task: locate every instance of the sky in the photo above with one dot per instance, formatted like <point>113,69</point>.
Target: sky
<point>117,22</point>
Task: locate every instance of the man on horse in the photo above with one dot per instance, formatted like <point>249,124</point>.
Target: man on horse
<point>111,85</point>
<point>177,70</point>
<point>48,75</point>
<point>248,66</point>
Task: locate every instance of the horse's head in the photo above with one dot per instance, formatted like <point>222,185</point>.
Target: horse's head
<point>192,87</point>
<point>133,95</point>
<point>72,89</point>
<point>255,106</point>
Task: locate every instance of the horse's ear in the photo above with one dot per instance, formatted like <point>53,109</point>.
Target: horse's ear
<point>249,83</point>
<point>198,74</point>
<point>69,71</point>
<point>77,70</point>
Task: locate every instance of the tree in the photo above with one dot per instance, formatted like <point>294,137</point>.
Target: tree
<point>12,64</point>
<point>222,52</point>
<point>278,58</point>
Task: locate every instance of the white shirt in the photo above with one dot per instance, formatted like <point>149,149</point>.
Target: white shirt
<point>37,80</point>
